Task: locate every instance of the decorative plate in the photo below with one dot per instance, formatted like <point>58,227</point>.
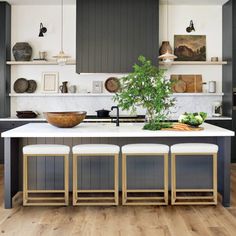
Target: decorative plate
<point>32,86</point>
<point>21,85</point>
<point>112,84</point>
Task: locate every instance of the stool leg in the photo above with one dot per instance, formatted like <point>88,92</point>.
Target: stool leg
<point>116,179</point>
<point>75,176</point>
<point>215,178</point>
<point>66,178</point>
<point>166,178</point>
<point>25,179</point>
<point>173,178</point>
<point>124,179</point>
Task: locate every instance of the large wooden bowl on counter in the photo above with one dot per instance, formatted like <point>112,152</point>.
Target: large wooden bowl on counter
<point>65,119</point>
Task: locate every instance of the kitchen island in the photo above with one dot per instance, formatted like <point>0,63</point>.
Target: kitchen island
<point>95,174</point>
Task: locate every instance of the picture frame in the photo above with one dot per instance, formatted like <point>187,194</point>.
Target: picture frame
<point>97,86</point>
<point>190,47</point>
<point>50,82</point>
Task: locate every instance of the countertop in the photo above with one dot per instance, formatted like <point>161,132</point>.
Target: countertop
<point>35,130</point>
<point>96,119</point>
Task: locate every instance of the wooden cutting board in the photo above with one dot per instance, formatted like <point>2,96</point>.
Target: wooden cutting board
<point>183,127</point>
<point>193,83</point>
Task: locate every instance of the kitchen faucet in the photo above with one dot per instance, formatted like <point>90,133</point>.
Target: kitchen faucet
<point>117,115</point>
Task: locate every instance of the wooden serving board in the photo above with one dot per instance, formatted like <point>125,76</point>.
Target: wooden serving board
<point>190,129</point>
<point>183,127</point>
<point>193,83</point>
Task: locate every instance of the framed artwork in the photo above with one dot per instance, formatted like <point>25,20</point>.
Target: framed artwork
<point>50,83</point>
<point>97,86</point>
<point>190,47</point>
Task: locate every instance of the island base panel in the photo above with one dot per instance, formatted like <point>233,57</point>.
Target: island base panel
<point>97,174</point>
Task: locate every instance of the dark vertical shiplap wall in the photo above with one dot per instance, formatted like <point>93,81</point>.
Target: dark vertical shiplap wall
<point>97,172</point>
<point>111,34</point>
<point>5,54</point>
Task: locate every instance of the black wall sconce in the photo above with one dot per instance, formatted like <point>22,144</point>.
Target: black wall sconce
<point>42,30</point>
<point>191,27</point>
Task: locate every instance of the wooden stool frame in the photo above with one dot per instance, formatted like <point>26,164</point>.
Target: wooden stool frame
<point>64,200</point>
<point>100,201</point>
<point>144,200</point>
<point>204,200</point>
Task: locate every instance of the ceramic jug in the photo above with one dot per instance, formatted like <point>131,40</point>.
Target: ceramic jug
<point>63,88</point>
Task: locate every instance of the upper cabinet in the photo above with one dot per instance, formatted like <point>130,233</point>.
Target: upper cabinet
<point>111,34</point>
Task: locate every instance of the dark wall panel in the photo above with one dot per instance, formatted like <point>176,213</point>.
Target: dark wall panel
<point>228,56</point>
<point>5,54</point>
<point>111,34</point>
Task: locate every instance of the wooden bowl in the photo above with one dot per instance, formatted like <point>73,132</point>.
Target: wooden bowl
<point>65,119</point>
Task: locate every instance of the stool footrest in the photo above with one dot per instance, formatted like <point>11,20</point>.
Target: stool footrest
<point>195,197</point>
<point>145,191</point>
<point>95,198</point>
<point>95,191</point>
<point>45,191</point>
<point>45,198</point>
<point>194,190</point>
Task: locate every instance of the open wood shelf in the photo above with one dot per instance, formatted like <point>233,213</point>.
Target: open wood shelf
<point>98,94</point>
<point>73,62</point>
<point>209,63</point>
<point>61,95</point>
<point>50,62</point>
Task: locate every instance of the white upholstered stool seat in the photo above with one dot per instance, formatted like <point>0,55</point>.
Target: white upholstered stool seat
<point>46,149</point>
<point>194,148</point>
<point>145,148</point>
<point>96,149</point>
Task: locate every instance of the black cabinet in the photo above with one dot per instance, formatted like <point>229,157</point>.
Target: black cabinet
<point>111,34</point>
<point>5,55</point>
<point>226,124</point>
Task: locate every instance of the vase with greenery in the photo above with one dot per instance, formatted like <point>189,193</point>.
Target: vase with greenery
<point>147,87</point>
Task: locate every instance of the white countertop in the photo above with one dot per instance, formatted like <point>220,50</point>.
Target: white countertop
<point>35,130</point>
<point>98,119</point>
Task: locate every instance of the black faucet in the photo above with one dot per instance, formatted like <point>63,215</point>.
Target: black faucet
<point>117,115</point>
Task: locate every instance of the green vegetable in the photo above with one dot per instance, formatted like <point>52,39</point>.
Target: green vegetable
<point>156,125</point>
<point>193,119</point>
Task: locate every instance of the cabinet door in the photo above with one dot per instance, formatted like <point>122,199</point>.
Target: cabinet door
<point>111,34</point>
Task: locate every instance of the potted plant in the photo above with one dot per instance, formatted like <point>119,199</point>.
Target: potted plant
<point>148,88</point>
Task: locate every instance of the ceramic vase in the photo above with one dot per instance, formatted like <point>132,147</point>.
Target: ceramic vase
<point>165,46</point>
<point>22,51</point>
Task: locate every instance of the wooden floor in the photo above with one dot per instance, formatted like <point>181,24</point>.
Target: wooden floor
<point>112,221</point>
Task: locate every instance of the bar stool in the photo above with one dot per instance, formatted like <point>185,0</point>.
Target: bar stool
<point>194,149</point>
<point>45,150</point>
<point>83,197</point>
<point>138,150</point>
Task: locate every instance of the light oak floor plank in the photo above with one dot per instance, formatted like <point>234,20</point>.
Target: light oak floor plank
<point>119,221</point>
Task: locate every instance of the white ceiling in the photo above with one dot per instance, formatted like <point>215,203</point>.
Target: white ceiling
<point>40,2</point>
<point>194,2</point>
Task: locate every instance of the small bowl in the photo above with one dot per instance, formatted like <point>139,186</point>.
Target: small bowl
<point>65,119</point>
